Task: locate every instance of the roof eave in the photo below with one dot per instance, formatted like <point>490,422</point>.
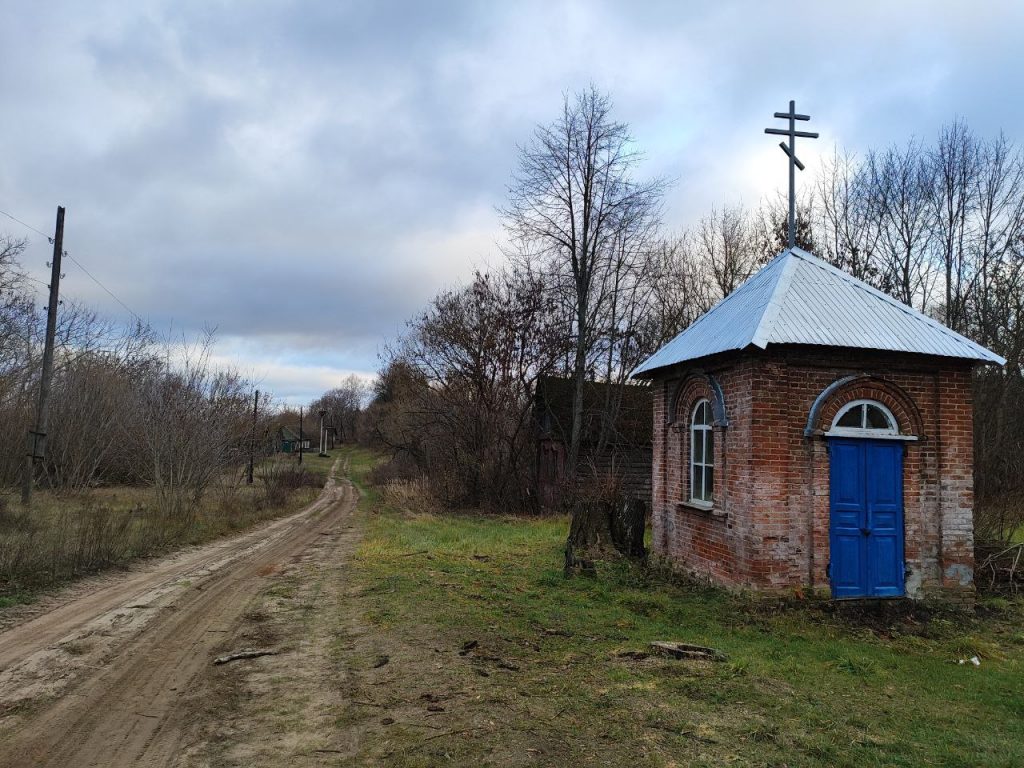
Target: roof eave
<point>993,360</point>
<point>984,357</point>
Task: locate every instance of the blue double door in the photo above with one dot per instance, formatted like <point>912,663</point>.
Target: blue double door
<point>866,528</point>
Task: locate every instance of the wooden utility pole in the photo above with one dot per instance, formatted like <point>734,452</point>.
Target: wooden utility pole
<point>37,436</point>
<point>300,434</point>
<point>252,442</point>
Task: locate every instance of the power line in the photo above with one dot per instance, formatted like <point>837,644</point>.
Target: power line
<point>77,263</point>
<point>28,226</point>
<point>101,285</point>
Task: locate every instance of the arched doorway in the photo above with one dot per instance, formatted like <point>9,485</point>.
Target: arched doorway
<point>866,502</point>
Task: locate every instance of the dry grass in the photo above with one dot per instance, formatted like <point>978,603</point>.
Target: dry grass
<point>408,495</point>
<point>63,536</point>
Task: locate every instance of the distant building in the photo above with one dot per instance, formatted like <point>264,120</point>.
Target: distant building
<point>811,431</point>
<point>288,439</point>
<point>623,456</point>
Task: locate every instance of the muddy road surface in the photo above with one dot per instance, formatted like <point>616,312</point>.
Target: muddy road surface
<point>108,675</point>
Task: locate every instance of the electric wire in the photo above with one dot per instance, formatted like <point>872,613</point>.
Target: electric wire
<point>27,226</point>
<point>78,264</point>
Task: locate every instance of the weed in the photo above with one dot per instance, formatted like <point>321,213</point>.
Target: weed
<point>737,668</point>
<point>856,666</point>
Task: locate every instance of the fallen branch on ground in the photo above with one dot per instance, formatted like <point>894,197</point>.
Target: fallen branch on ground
<point>687,651</point>
<point>1004,566</point>
<point>244,655</point>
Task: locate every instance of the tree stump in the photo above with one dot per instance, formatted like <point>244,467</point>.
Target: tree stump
<point>602,528</point>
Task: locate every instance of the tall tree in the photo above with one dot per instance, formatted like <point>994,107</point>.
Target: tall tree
<point>573,199</point>
<point>902,182</point>
<point>954,172</point>
<point>342,406</point>
<point>472,359</point>
<point>571,202</point>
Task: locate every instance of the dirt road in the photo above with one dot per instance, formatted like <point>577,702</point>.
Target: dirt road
<point>108,678</point>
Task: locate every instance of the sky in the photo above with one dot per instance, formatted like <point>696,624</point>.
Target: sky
<point>304,176</point>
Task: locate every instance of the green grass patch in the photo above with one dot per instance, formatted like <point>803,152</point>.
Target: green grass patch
<point>316,464</point>
<point>803,685</point>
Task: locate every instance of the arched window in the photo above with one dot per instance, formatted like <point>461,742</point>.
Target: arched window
<point>702,454</point>
<point>864,418</point>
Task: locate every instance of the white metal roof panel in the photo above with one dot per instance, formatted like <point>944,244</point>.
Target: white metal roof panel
<point>800,299</point>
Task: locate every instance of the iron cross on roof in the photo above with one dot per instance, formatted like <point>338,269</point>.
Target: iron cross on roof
<point>794,162</point>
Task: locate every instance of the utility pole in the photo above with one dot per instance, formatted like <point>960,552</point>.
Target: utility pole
<point>37,436</point>
<point>323,434</point>
<point>252,442</point>
<point>300,434</point>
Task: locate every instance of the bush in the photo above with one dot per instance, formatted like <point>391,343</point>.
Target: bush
<point>35,552</point>
<point>280,479</point>
<point>998,519</point>
<point>400,468</point>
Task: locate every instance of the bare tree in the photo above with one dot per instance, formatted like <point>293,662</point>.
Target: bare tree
<point>682,291</point>
<point>572,199</point>
<point>192,424</point>
<point>997,235</point>
<point>456,396</point>
<point>954,170</point>
<point>848,216</point>
<point>342,406</point>
<point>727,246</point>
<point>901,183</point>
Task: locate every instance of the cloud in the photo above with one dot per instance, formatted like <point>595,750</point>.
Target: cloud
<point>306,175</point>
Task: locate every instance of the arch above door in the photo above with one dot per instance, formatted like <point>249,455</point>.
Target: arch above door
<point>889,402</point>
<point>866,418</point>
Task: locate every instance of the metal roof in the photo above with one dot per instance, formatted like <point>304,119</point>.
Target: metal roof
<point>799,299</point>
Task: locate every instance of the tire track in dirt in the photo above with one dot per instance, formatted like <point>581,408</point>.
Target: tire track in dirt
<point>130,708</point>
<point>288,709</point>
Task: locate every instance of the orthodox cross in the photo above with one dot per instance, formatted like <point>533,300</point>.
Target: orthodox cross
<point>794,162</point>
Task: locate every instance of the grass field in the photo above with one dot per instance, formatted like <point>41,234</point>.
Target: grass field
<point>66,535</point>
<point>551,680</point>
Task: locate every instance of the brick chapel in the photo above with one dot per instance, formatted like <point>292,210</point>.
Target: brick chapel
<point>811,432</point>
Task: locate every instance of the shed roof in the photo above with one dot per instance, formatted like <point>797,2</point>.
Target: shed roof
<point>799,299</point>
<point>292,433</point>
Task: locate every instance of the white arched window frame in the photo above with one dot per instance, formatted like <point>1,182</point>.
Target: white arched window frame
<point>702,455</point>
<point>866,418</point>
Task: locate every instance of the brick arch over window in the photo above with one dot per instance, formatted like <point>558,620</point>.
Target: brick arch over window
<point>681,397</point>
<point>692,388</point>
<point>842,391</point>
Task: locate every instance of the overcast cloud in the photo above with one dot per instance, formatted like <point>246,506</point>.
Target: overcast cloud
<point>306,175</point>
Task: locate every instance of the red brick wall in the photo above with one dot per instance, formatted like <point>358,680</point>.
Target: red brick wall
<point>770,521</point>
<point>717,543</point>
